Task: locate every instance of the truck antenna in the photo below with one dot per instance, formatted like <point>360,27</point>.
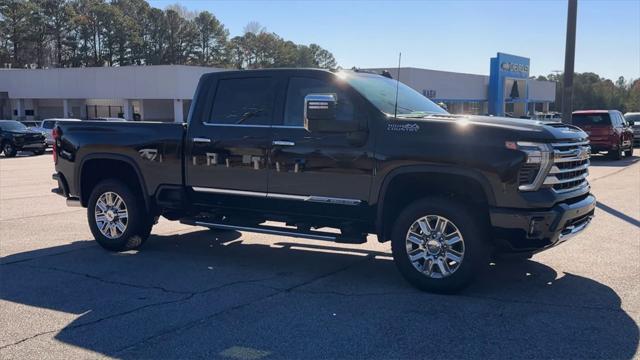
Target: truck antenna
<point>395,111</point>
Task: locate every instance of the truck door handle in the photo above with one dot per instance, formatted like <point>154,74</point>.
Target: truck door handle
<point>283,143</point>
<point>201,140</point>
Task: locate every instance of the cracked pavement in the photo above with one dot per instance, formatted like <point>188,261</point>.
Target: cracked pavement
<point>195,293</point>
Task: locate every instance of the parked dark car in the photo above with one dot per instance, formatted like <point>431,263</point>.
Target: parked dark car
<point>15,136</point>
<point>608,131</point>
<point>633,118</point>
<point>292,151</point>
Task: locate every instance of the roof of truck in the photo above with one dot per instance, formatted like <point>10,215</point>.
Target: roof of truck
<point>591,111</point>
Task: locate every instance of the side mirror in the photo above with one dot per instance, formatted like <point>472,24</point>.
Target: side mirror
<point>319,111</point>
<point>320,115</point>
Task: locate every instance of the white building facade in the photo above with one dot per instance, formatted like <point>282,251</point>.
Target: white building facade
<point>164,92</point>
<point>151,93</point>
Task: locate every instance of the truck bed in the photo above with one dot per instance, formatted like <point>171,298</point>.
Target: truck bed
<point>152,148</point>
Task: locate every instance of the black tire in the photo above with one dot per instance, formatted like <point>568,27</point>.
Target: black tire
<point>629,152</point>
<point>9,150</point>
<point>615,154</point>
<point>473,230</point>
<point>38,152</point>
<point>138,222</point>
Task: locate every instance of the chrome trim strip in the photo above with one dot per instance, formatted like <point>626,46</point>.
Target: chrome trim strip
<point>229,191</point>
<point>331,200</point>
<point>570,144</point>
<point>236,125</point>
<point>255,126</point>
<point>288,197</point>
<point>552,180</point>
<point>582,185</point>
<point>311,198</point>
<point>266,231</point>
<point>556,170</point>
<point>288,127</point>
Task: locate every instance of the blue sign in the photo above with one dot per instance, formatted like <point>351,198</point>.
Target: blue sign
<point>504,85</point>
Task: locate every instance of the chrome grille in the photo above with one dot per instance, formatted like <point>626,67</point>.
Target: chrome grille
<point>570,166</point>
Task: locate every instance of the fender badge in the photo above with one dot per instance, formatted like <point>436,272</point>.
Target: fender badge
<point>403,127</point>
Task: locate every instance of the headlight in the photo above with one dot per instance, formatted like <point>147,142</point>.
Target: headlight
<point>537,164</point>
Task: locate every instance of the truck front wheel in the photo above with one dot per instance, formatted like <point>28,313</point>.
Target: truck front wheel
<point>439,245</point>
<point>117,217</point>
<point>9,150</point>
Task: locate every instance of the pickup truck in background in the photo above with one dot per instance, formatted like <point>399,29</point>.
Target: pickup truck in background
<point>607,130</point>
<point>295,151</point>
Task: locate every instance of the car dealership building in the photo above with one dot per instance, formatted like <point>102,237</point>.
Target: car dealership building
<point>164,92</point>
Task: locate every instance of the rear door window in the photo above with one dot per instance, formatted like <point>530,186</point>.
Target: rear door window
<point>591,119</point>
<point>244,101</point>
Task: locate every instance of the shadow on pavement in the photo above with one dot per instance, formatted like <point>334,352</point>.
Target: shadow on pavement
<point>618,214</point>
<point>165,300</point>
<point>604,160</point>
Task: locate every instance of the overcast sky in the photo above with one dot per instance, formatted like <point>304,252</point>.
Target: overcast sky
<point>448,35</point>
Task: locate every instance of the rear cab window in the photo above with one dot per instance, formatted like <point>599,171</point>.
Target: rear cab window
<point>595,119</point>
<point>243,102</point>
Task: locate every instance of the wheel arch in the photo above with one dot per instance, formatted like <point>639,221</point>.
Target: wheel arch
<point>98,164</point>
<point>450,181</point>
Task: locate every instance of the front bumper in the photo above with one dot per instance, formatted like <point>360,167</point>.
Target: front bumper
<point>531,231</point>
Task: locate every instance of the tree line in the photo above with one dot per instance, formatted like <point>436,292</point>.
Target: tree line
<point>590,91</point>
<point>77,33</point>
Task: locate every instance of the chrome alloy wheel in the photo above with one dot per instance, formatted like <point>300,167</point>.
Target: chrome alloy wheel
<point>435,246</point>
<point>111,215</point>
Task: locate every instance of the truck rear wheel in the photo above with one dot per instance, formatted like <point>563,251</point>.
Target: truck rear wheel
<point>438,245</point>
<point>117,217</point>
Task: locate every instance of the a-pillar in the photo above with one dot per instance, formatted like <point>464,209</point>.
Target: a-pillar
<point>127,110</point>
<point>178,115</point>
<point>66,109</point>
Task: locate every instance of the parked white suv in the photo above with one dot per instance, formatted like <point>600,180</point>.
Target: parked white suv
<point>46,126</point>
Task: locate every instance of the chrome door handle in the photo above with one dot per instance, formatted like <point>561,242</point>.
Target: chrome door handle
<point>201,140</point>
<point>283,143</point>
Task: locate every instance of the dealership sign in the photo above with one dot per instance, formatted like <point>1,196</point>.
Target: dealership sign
<point>514,67</point>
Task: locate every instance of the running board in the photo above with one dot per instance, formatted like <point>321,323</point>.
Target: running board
<point>274,230</point>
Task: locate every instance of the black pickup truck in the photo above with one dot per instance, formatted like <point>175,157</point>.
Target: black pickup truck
<point>295,151</point>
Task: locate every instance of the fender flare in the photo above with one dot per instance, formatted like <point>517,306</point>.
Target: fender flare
<point>117,157</point>
<point>426,169</point>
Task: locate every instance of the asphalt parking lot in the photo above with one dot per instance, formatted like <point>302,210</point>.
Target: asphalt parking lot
<point>191,292</point>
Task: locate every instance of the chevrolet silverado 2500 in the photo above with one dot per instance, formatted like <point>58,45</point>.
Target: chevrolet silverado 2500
<point>295,151</point>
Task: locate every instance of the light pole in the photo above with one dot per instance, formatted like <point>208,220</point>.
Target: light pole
<point>569,60</point>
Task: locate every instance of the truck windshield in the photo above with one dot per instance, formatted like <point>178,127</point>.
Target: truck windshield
<point>381,91</point>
